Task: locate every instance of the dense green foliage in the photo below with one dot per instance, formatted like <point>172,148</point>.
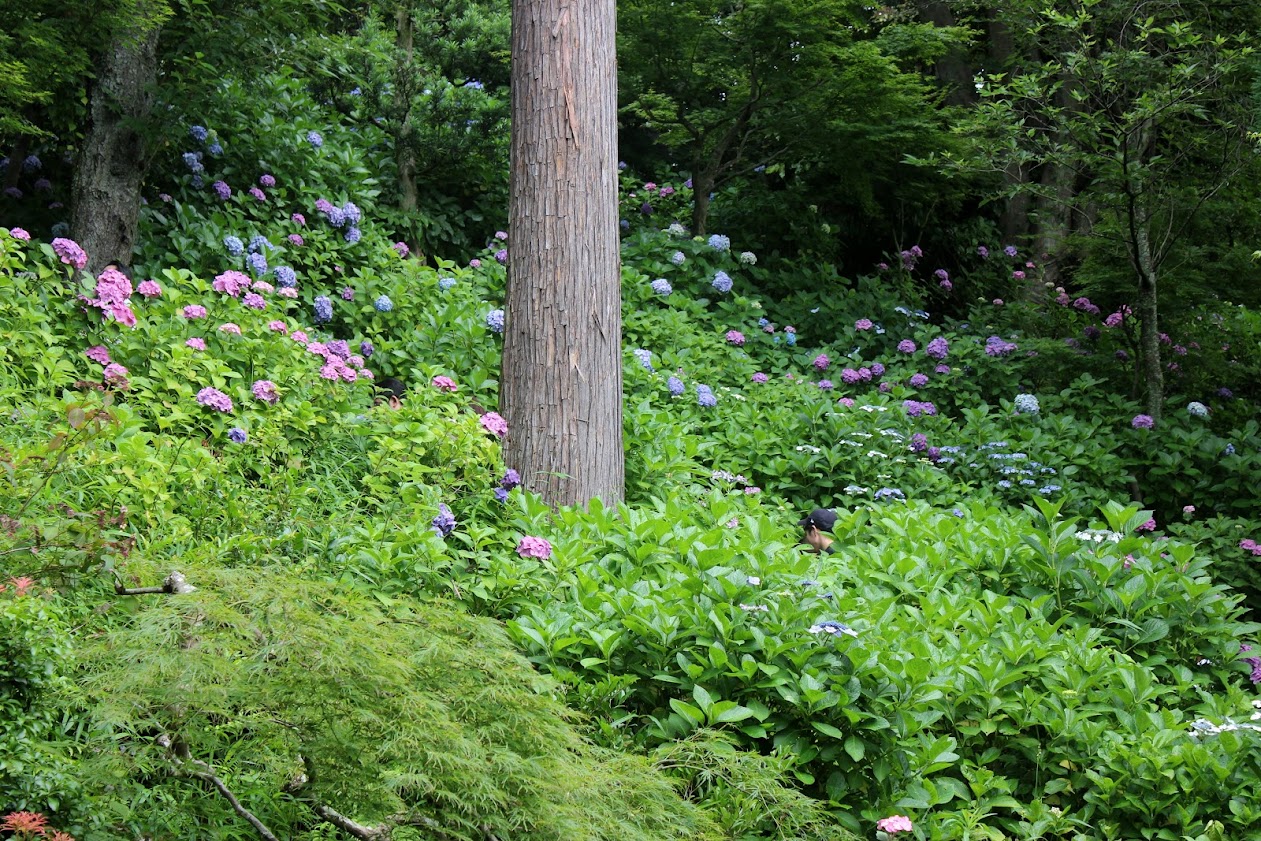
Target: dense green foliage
<point>1036,620</point>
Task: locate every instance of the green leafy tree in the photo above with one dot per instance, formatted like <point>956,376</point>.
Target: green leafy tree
<point>1146,113</point>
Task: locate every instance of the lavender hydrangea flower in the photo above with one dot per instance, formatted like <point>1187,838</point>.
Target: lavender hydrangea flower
<point>661,286</point>
<point>237,435</point>
<point>938,348</point>
<point>234,245</point>
<point>213,398</point>
<point>718,242</point>
<point>444,523</point>
<point>366,348</point>
<point>1142,422</point>
<point>678,258</point>
<point>906,346</point>
<point>495,321</point>
<point>352,235</point>
<point>644,357</point>
<point>323,309</point>
<point>315,139</point>
<point>918,380</point>
<point>258,263</point>
<point>222,190</point>
<point>675,386</point>
<point>722,282</point>
<point>705,396</point>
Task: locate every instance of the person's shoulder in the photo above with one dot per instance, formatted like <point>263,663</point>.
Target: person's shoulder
<point>831,549</point>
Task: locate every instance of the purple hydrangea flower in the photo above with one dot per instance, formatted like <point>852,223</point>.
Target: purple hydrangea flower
<point>675,386</point>
<point>906,346</point>
<point>222,190</point>
<point>213,398</point>
<point>938,348</point>
<point>705,396</point>
<point>237,435</point>
<point>444,523</point>
<point>722,281</point>
<point>315,139</point>
<point>495,320</point>
<point>1142,422</point>
<point>323,309</point>
<point>286,277</point>
<point>918,380</point>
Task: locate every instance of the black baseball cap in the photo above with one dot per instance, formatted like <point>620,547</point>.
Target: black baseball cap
<point>819,518</point>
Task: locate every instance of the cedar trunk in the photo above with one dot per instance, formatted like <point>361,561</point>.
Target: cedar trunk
<point>561,389</point>
<point>105,213</point>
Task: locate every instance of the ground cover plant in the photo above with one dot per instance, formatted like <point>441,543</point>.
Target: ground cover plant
<point>265,571</point>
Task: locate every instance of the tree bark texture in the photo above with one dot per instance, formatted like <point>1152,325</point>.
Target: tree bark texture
<point>105,211</point>
<point>404,151</point>
<point>561,389</point>
<point>1149,338</point>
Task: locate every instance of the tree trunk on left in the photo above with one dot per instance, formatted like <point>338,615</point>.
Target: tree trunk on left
<point>105,210</point>
<point>561,389</point>
<point>1149,338</point>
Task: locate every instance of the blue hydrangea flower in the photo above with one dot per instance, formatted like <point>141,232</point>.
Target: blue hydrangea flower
<point>215,149</point>
<point>718,242</point>
<point>1004,483</point>
<point>315,139</point>
<point>356,92</point>
<point>624,224</point>
<point>259,243</point>
<point>678,258</point>
<point>644,357</point>
<point>831,626</point>
<point>889,493</point>
<point>1230,449</point>
<point>1197,409</point>
<point>444,523</point>
<point>32,164</point>
<point>705,396</point>
<point>258,263</point>
<point>198,182</point>
<point>352,235</point>
<point>352,212</point>
<point>661,286</point>
<point>1027,404</point>
<point>675,385</point>
<point>237,435</point>
<point>192,160</point>
<point>495,320</point>
<point>383,303</point>
<point>445,283</point>
<point>1047,490</point>
<point>286,278</point>
<point>323,309</point>
<point>790,339</point>
<point>336,217</point>
<point>501,494</point>
<point>234,245</point>
<point>198,133</point>
<point>722,282</point>
<point>61,229</point>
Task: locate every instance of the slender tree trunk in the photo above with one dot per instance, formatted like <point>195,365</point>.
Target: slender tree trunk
<point>702,186</point>
<point>954,72</point>
<point>111,167</point>
<point>1149,338</point>
<point>16,156</point>
<point>561,387</point>
<point>404,150</point>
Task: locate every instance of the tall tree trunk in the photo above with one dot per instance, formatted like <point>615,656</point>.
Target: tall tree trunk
<point>404,150</point>
<point>702,186</point>
<point>954,72</point>
<point>561,389</point>
<point>105,212</point>
<point>1149,338</point>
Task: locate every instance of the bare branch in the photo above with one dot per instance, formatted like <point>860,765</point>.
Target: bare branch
<point>195,768</point>
<point>175,584</point>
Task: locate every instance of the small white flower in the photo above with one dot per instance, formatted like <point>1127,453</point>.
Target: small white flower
<point>754,580</point>
<point>755,608</point>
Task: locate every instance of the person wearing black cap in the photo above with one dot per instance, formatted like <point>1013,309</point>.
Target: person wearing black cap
<point>818,525</point>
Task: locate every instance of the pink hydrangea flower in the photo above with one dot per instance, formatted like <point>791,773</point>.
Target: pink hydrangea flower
<point>401,249</point>
<point>194,311</point>
<point>894,824</point>
<point>278,327</point>
<point>329,370</point>
<point>298,219</point>
<point>230,283</point>
<point>534,547</point>
<point>263,286</point>
<point>735,337</point>
<point>1150,525</point>
<point>254,301</point>
<point>759,377</point>
<point>116,375</point>
<point>112,287</point>
<point>258,194</point>
<point>296,239</point>
<point>493,422</point>
<point>122,314</point>
<point>267,181</point>
<point>847,402</point>
<point>348,294</point>
<point>300,337</point>
<point>98,354</point>
<point>69,252</point>
<point>196,343</point>
<point>265,390</point>
<point>445,384</point>
<point>998,302</point>
<point>474,263</point>
<point>229,327</point>
<point>149,288</point>
<point>821,362</point>
<point>863,324</point>
<point>287,292</point>
<point>20,233</point>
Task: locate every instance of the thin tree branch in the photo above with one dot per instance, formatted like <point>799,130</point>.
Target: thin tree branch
<point>197,769</point>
